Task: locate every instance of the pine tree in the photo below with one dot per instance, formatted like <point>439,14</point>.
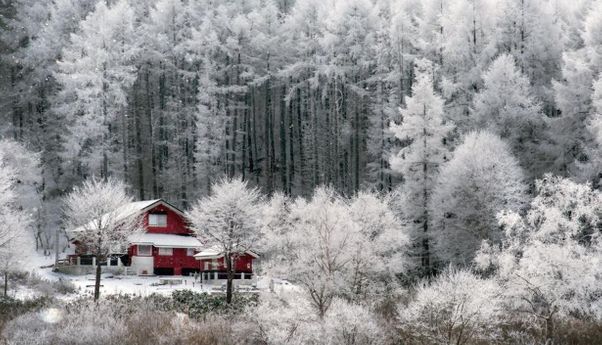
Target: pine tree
<point>95,73</point>
<point>424,128</point>
<point>506,106</point>
<point>482,178</point>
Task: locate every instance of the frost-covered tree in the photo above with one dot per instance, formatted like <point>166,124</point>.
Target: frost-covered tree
<point>548,262</point>
<point>229,218</point>
<point>529,31</point>
<point>15,220</point>
<point>95,73</point>
<point>210,126</point>
<point>320,248</point>
<point>275,224</point>
<point>99,218</point>
<point>506,107</point>
<point>382,251</point>
<point>573,99</point>
<point>27,186</point>
<point>593,167</point>
<point>480,180</point>
<point>458,307</point>
<point>425,130</point>
<point>468,28</point>
<point>574,96</point>
<point>338,249</point>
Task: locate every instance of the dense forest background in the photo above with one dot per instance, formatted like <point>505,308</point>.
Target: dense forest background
<point>169,95</point>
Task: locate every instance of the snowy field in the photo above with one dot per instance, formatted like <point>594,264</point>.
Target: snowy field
<point>143,286</point>
<point>112,284</point>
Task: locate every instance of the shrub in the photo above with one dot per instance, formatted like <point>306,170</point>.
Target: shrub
<point>290,318</point>
<point>457,308</point>
<point>11,308</point>
<point>118,320</point>
<point>39,285</point>
<point>198,305</point>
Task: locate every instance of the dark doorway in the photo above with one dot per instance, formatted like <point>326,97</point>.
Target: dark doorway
<point>163,271</point>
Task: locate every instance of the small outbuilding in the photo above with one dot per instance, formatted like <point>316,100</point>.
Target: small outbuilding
<point>213,267</point>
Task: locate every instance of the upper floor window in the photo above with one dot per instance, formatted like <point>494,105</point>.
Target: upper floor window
<point>157,219</point>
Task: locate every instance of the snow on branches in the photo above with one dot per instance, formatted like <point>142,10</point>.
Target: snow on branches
<point>549,261</point>
<point>337,248</point>
<point>482,178</point>
<point>99,216</point>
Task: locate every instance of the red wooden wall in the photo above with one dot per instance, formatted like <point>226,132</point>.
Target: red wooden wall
<point>243,264</point>
<point>175,223</point>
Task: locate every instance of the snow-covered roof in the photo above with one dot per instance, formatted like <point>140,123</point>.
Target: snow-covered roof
<point>128,210</point>
<point>215,252</point>
<point>165,240</point>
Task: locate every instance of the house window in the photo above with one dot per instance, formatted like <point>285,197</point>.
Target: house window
<point>190,251</point>
<point>145,250</point>
<point>165,251</point>
<point>157,219</point>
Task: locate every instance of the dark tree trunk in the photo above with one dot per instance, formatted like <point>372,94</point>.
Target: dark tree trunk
<point>300,137</point>
<point>229,284</point>
<point>139,158</point>
<point>426,259</point>
<point>246,142</point>
<point>253,139</point>
<point>97,281</point>
<point>283,166</point>
<point>291,147</point>
<point>151,138</point>
<point>550,330</point>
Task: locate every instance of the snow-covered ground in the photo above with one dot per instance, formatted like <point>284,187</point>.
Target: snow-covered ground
<point>41,266</point>
<point>111,284</point>
<point>114,284</point>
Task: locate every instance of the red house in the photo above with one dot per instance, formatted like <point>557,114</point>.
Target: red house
<point>167,247</point>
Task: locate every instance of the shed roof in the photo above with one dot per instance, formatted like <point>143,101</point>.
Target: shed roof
<point>215,252</point>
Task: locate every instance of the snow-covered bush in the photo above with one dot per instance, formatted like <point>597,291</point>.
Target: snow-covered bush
<point>286,318</point>
<point>289,318</point>
<point>28,329</point>
<point>550,262</point>
<point>351,324</point>
<point>458,307</point>
<point>91,324</point>
<point>332,247</point>
<point>199,305</point>
<point>119,320</point>
<point>39,285</point>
